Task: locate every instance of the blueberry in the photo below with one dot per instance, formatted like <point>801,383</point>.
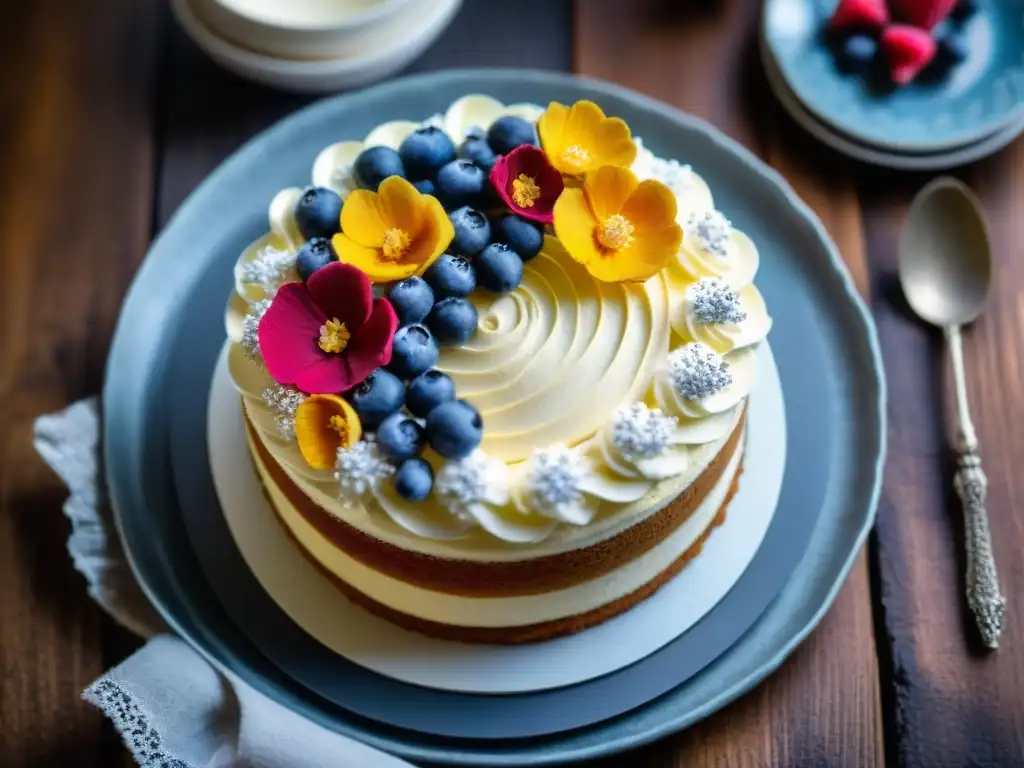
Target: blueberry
<point>425,186</point>
<point>318,212</point>
<point>412,299</point>
<point>380,395</point>
<point>414,480</point>
<point>313,255</point>
<point>952,50</point>
<point>427,391</point>
<point>964,9</point>
<point>478,151</point>
<point>450,276</point>
<point>472,231</point>
<point>507,133</point>
<point>857,52</point>
<point>400,437</point>
<point>522,236</point>
<point>452,321</point>
<point>413,351</point>
<point>454,429</point>
<point>376,164</point>
<point>498,268</point>
<point>424,151</point>
<point>459,183</point>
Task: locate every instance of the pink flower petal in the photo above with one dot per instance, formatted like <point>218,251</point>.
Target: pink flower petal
<point>330,375</point>
<point>370,348</point>
<point>533,162</point>
<point>342,291</point>
<point>288,333</point>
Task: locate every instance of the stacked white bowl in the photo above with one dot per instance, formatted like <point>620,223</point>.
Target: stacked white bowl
<point>314,45</point>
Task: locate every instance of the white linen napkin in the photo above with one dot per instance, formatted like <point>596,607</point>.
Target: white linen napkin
<point>171,707</point>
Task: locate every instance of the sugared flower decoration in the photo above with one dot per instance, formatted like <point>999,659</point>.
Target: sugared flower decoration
<point>579,139</point>
<point>393,233</point>
<point>477,479</point>
<point>639,432</point>
<point>527,183</point>
<point>360,470</point>
<point>697,371</point>
<point>711,232</point>
<point>323,425</point>
<point>553,480</point>
<point>620,229</point>
<point>269,269</point>
<point>328,334</point>
<point>283,402</point>
<point>713,302</point>
<point>250,329</point>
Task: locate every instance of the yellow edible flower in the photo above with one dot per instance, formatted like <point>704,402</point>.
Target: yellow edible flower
<point>392,233</point>
<point>323,424</point>
<point>620,229</point>
<point>580,138</point>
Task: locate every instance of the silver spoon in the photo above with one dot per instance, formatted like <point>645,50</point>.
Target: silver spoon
<point>946,271</point>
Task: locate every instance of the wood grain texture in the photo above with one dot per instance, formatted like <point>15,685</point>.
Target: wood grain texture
<point>952,703</point>
<point>823,707</point>
<point>76,146</point>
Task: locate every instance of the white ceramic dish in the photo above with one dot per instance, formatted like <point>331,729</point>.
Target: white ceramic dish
<point>314,603</point>
<point>408,40</point>
<point>305,29</point>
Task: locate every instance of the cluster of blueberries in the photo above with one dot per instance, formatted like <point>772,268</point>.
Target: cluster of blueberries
<point>408,403</point>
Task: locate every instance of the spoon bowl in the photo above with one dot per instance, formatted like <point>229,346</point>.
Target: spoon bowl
<point>945,261</point>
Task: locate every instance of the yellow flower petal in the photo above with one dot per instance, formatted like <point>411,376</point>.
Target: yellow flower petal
<point>574,226</point>
<point>616,142</point>
<point>401,205</point>
<point>551,128</point>
<point>436,235</point>
<point>580,138</point>
<point>651,206</point>
<point>323,424</point>
<point>607,189</point>
<point>370,261</point>
<point>362,218</point>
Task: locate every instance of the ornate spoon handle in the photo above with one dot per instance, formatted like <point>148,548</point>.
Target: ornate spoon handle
<point>983,593</point>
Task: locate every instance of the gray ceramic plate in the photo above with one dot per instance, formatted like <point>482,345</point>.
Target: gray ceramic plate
<point>812,298</point>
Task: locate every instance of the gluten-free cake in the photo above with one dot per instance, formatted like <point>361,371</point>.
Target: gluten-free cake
<point>494,367</point>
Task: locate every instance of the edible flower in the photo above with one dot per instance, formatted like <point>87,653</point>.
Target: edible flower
<point>323,424</point>
<point>328,334</point>
<point>393,233</point>
<point>620,229</point>
<point>527,183</point>
<point>580,138</point>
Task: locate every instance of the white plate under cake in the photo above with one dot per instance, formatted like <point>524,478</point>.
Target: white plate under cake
<point>492,362</point>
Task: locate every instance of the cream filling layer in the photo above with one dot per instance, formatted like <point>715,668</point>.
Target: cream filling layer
<point>458,610</point>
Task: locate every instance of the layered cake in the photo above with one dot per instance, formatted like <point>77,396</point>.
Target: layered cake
<point>494,368</point>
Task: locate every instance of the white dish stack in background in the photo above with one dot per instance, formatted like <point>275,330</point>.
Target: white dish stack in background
<point>314,46</point>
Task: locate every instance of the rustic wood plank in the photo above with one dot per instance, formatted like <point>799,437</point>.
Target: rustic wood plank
<point>823,706</point>
<point>77,152</point>
<point>953,704</point>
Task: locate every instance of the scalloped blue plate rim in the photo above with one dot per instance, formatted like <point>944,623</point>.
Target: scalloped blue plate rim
<point>125,485</point>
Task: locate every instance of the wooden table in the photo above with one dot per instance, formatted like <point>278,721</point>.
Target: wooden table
<point>109,117</point>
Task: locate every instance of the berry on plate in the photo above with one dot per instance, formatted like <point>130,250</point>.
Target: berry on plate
<point>427,391</point>
<point>908,50</point>
<point>313,255</point>
<point>400,437</point>
<point>453,320</point>
<point>450,276</point>
<point>424,151</point>
<point>477,150</point>
<point>508,132</point>
<point>318,212</point>
<point>425,186</point>
<point>380,395</point>
<point>413,351</point>
<point>498,268</point>
<point>414,479</point>
<point>454,429</point>
<point>522,236</point>
<point>460,183</point>
<point>472,231</point>
<point>859,15</point>
<point>375,164</point>
<point>923,14</point>
<point>412,299</point>
<point>857,52</point>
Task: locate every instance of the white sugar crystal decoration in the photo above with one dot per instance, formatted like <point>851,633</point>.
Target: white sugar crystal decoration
<point>360,469</point>
<point>711,231</point>
<point>270,269</point>
<point>250,341</point>
<point>639,432</point>
<point>553,480</point>
<point>697,371</point>
<point>713,302</point>
<point>462,483</point>
<point>282,401</point>
<point>673,175</point>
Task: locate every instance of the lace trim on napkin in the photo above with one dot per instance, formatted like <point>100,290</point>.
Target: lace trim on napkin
<point>132,723</point>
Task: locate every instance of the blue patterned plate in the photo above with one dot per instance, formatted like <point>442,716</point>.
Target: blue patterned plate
<point>822,327</point>
<point>979,97</point>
